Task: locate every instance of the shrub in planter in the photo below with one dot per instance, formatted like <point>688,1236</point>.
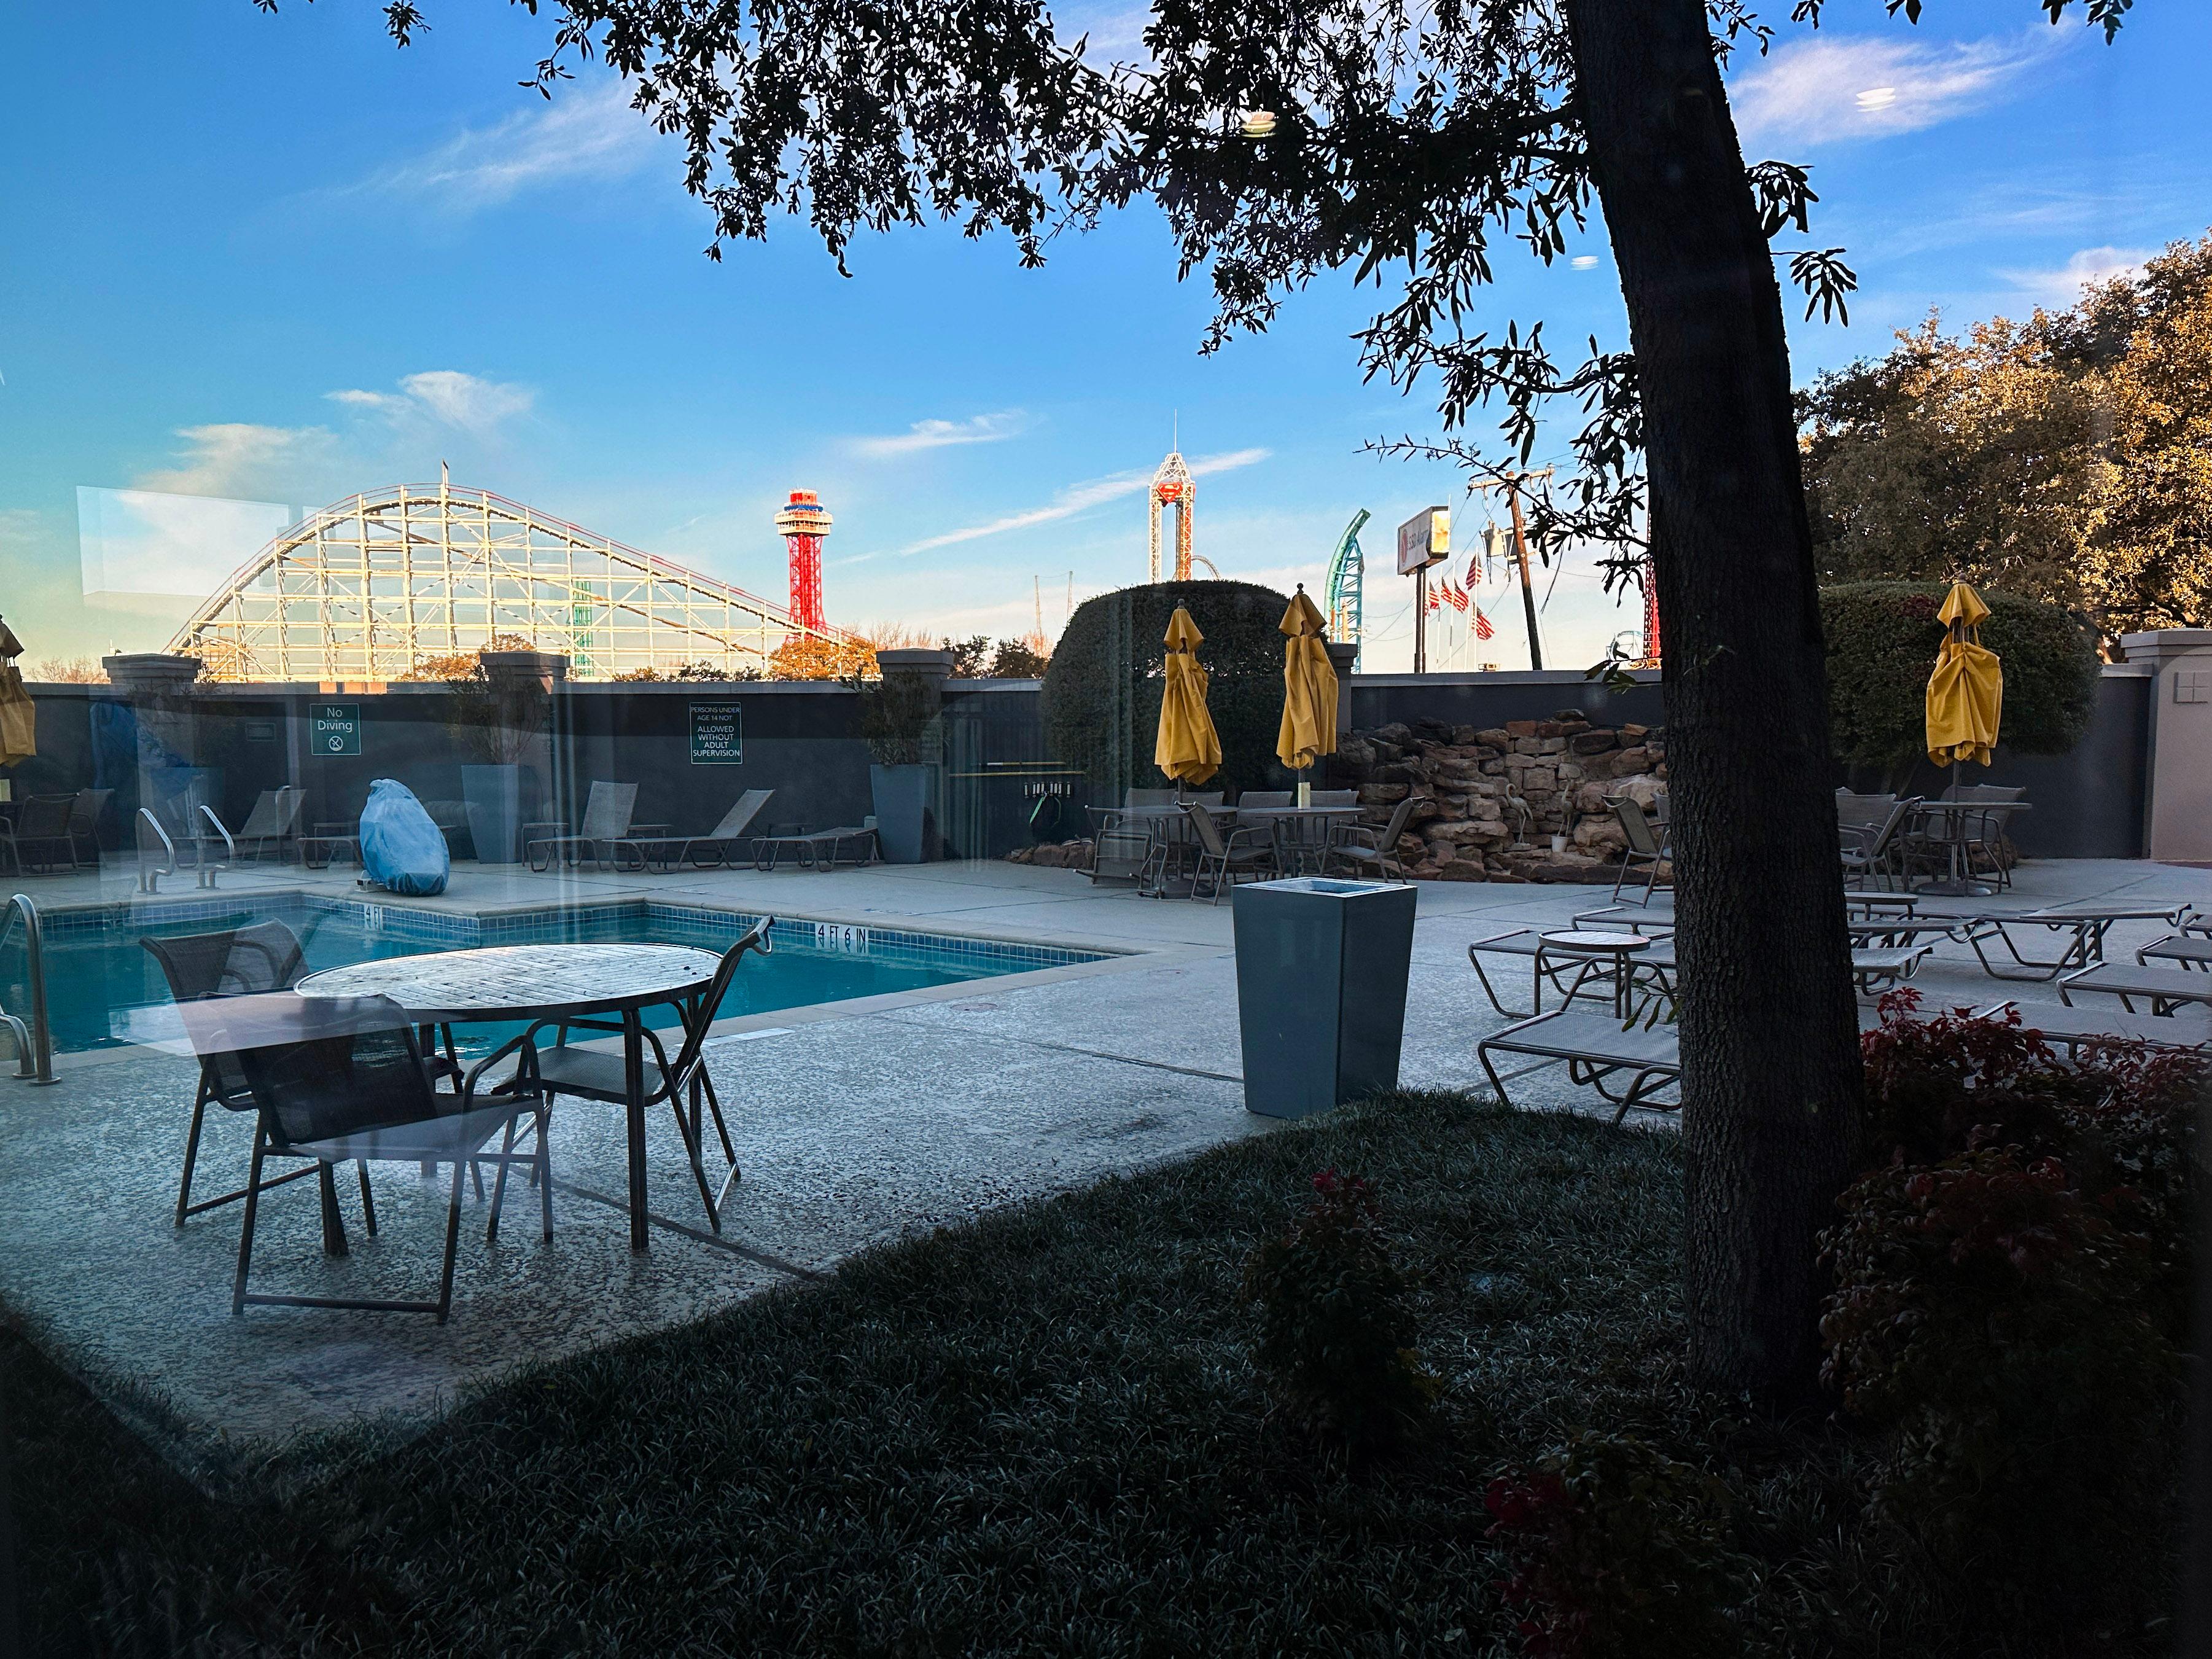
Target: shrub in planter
<point>1336,1325</point>
<point>1101,688</point>
<point>1997,1321</point>
<point>1618,1550</point>
<point>1882,639</point>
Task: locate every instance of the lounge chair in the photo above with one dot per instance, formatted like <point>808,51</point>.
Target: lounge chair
<point>274,822</point>
<point>1364,849</point>
<point>607,812</point>
<point>1876,965</point>
<point>2074,1029</point>
<point>1647,848</point>
<point>2182,950</point>
<point>341,1081</point>
<point>1248,853</point>
<point>2164,988</point>
<point>1597,1049</point>
<point>2086,925</point>
<point>716,850</point>
<point>597,1074</point>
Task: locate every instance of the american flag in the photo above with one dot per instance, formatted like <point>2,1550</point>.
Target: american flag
<point>1454,595</point>
<point>1475,570</point>
<point>1437,597</point>
<point>1483,630</point>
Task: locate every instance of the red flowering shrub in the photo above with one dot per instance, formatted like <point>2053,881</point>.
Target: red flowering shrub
<point>1618,1550</point>
<point>1336,1323</point>
<point>1997,1321</point>
<point>2122,1118</point>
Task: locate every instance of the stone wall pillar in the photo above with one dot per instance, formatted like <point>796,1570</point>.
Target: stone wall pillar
<point>159,690</point>
<point>2177,816</point>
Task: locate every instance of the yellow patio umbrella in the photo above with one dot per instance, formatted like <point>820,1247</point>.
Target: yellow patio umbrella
<point>1187,749</point>
<point>1308,728</point>
<point>1965,694</point>
<point>18,719</point>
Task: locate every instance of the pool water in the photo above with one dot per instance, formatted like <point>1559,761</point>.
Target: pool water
<point>103,991</point>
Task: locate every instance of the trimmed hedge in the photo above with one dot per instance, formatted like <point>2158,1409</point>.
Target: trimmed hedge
<point>1102,687</point>
<point>1883,640</point>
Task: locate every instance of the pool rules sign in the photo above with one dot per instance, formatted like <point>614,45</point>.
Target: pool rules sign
<point>718,734</point>
<point>335,728</point>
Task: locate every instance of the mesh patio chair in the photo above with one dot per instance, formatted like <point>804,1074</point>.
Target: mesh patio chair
<point>1647,848</point>
<point>607,812</point>
<point>1249,853</point>
<point>232,961</point>
<point>39,837</point>
<point>340,1081</point>
<point>716,850</point>
<point>1987,849</point>
<point>1362,847</point>
<point>1853,810</point>
<point>597,1074</point>
<point>1871,850</point>
<point>90,806</point>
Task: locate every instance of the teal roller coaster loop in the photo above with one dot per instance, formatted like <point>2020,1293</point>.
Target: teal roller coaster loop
<point>1347,573</point>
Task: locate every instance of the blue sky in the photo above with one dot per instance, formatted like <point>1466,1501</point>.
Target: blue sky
<point>276,259</point>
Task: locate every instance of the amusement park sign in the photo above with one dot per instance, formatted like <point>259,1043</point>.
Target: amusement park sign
<point>1423,539</point>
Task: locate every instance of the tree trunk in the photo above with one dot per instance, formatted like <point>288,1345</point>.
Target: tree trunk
<point>1770,1081</point>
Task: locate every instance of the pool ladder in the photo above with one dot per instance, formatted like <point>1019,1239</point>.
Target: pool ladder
<point>34,1040</point>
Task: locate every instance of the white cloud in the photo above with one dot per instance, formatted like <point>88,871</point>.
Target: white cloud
<point>238,458</point>
<point>2063,286</point>
<point>588,131</point>
<point>1080,498</point>
<point>940,434</point>
<point>1834,89</point>
<point>468,402</point>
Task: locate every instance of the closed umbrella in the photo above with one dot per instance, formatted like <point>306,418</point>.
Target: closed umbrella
<point>1187,749</point>
<point>1965,694</point>
<point>1308,728</point>
<point>1966,700</point>
<point>19,718</point>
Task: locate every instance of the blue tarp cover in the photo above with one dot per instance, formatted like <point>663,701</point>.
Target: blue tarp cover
<point>400,848</point>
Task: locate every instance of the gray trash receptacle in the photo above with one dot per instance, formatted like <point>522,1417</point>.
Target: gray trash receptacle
<point>1321,990</point>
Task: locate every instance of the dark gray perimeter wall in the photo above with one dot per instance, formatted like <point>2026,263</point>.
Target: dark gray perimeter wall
<point>801,741</point>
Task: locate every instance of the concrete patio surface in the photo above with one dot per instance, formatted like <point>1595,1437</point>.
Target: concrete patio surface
<point>854,1122</point>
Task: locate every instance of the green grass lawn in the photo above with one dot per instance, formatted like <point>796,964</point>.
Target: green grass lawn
<point>1037,1434</point>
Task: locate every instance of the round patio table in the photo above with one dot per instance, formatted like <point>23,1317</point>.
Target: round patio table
<point>544,982</point>
<point>1598,950</point>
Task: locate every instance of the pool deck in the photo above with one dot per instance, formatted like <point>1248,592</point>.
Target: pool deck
<point>855,1122</point>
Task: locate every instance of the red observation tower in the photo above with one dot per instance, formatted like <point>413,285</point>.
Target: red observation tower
<point>802,523</point>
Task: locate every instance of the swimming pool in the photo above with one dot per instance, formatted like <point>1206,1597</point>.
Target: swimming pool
<point>103,991</point>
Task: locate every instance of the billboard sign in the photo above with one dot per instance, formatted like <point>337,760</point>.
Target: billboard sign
<point>1423,539</point>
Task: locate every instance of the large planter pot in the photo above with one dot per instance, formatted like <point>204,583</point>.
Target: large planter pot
<point>493,795</point>
<point>903,828</point>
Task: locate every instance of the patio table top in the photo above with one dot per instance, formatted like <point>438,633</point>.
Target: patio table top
<point>520,981</point>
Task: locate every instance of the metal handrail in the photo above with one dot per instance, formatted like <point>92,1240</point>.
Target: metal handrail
<point>149,880</point>
<point>230,847</point>
<point>34,1044</point>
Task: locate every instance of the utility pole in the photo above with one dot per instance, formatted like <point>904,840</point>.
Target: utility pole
<point>1512,485</point>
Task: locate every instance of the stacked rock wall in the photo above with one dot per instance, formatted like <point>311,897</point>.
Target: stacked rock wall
<point>1494,797</point>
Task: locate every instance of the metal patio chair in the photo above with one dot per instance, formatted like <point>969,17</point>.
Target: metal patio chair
<point>1249,853</point>
<point>1647,849</point>
<point>85,814</point>
<point>39,837</point>
<point>1596,1048</point>
<point>1878,850</point>
<point>595,1073</point>
<point>340,1080</point>
<point>1362,847</point>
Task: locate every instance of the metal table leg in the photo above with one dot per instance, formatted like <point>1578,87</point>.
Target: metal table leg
<point>634,1109</point>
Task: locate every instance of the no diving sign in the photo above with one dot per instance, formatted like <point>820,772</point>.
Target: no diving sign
<point>335,728</point>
